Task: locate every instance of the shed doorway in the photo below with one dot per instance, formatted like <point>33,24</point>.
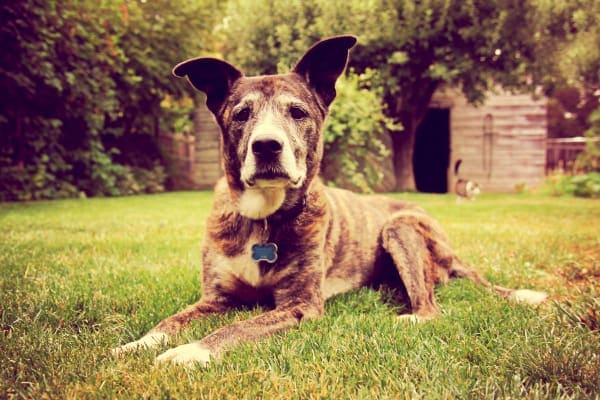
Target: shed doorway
<point>431,156</point>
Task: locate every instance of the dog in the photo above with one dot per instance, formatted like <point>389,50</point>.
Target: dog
<point>276,236</point>
<point>464,188</point>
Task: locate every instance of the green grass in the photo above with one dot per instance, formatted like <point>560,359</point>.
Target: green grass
<point>79,277</point>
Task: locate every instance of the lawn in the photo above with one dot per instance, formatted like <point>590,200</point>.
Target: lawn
<point>79,277</point>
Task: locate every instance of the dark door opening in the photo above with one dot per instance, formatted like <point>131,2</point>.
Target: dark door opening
<point>431,155</point>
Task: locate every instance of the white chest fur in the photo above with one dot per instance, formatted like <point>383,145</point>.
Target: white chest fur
<point>242,267</point>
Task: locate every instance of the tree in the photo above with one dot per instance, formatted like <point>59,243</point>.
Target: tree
<point>47,50</point>
<point>570,54</point>
<point>469,45</point>
<point>353,134</point>
<point>415,46</point>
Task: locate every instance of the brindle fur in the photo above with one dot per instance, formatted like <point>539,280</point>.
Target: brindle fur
<point>330,240</point>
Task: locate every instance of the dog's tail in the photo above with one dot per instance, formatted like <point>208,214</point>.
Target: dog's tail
<point>460,270</point>
<point>457,166</point>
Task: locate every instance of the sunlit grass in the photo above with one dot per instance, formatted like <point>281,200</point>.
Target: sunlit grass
<point>78,277</point>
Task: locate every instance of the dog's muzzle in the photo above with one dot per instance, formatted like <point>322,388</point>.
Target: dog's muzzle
<point>270,166</point>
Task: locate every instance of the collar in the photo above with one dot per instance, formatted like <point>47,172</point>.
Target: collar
<point>283,216</point>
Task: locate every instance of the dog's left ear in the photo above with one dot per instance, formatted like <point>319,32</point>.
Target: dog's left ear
<point>211,76</point>
<point>323,63</point>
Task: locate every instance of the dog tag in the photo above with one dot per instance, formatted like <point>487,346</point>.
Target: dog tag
<point>264,252</point>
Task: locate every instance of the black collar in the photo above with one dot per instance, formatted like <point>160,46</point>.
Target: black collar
<point>283,216</point>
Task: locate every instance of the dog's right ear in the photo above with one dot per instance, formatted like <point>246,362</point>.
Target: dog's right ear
<point>211,76</point>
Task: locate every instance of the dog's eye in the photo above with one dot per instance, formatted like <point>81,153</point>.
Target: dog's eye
<point>242,115</point>
<point>297,113</point>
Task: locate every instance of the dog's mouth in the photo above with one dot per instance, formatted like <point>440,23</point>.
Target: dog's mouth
<point>272,176</point>
<point>266,190</point>
<point>270,180</point>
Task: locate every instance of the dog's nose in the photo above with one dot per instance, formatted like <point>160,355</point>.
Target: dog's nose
<point>266,147</point>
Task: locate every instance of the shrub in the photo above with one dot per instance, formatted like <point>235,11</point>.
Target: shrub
<point>38,182</point>
<point>33,182</point>
<point>589,160</point>
<point>354,150</point>
<point>586,185</point>
<point>124,180</point>
<point>78,81</point>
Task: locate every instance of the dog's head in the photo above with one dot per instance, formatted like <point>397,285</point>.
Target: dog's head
<point>271,125</point>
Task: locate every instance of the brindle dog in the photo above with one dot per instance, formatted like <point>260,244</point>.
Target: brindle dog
<point>276,236</point>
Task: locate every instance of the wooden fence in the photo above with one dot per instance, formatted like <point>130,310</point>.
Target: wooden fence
<point>562,153</point>
<point>179,152</point>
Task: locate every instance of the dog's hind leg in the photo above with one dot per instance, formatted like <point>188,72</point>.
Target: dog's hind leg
<point>409,238</point>
<point>423,257</point>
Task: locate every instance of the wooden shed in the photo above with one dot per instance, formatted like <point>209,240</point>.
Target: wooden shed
<point>502,143</point>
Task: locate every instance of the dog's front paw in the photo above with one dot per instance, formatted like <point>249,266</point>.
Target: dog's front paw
<point>528,296</point>
<point>146,342</point>
<point>187,355</point>
<point>414,318</point>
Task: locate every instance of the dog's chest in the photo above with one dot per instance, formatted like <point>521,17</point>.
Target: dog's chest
<point>243,268</point>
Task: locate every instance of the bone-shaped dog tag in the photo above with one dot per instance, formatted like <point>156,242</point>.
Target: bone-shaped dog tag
<point>264,252</point>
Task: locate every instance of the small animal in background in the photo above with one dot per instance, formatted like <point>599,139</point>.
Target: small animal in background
<point>465,188</point>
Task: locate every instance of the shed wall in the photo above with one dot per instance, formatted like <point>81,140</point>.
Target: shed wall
<point>506,154</point>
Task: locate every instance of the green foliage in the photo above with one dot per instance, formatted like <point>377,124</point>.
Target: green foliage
<point>177,113</point>
<point>268,36</point>
<point>586,183</point>
<point>32,183</point>
<point>356,126</point>
<point>568,58</point>
<point>569,112</point>
<point>568,51</point>
<point>413,44</point>
<point>583,185</point>
<point>79,75</point>
<point>589,160</point>
<point>120,180</point>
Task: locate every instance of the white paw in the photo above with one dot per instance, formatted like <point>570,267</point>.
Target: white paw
<point>146,342</point>
<point>528,296</point>
<point>187,355</point>
<point>413,318</point>
<point>409,318</point>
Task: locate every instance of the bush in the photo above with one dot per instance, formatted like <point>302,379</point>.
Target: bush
<point>33,182</point>
<point>83,80</point>
<point>37,183</point>
<point>150,181</point>
<point>587,185</point>
<point>353,135</point>
<point>589,160</point>
<point>560,184</point>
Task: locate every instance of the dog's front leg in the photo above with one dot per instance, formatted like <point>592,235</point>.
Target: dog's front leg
<point>291,309</point>
<point>172,325</point>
